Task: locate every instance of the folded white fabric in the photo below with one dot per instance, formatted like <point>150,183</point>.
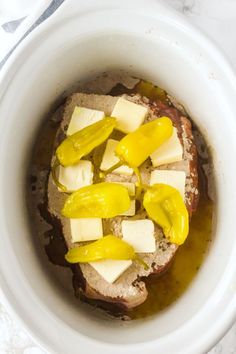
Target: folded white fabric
<point>16,17</point>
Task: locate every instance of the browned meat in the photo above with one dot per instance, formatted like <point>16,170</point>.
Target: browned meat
<point>129,290</point>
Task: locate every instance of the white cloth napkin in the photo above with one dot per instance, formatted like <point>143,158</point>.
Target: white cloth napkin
<point>16,18</point>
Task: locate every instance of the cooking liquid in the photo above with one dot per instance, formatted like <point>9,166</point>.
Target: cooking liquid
<point>165,289</point>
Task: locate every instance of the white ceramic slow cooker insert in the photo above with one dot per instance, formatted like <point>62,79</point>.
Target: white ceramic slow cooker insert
<point>150,41</point>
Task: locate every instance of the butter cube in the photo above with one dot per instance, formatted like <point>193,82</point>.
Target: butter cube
<point>131,210</point>
<point>139,234</point>
<point>76,176</point>
<point>173,178</point>
<point>110,159</point>
<point>111,269</point>
<point>131,190</point>
<point>83,117</point>
<point>86,229</point>
<point>129,115</point>
<point>170,151</point>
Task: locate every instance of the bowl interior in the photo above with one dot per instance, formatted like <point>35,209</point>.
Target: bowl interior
<point>51,65</point>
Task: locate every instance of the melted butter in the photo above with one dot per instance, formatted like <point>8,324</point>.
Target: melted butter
<point>167,288</point>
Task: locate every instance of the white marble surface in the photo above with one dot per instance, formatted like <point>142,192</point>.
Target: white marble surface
<point>217,18</point>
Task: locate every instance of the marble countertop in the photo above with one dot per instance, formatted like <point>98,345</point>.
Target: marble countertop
<point>217,18</point>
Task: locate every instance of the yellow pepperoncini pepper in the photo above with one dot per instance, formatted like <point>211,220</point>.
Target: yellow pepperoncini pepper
<point>145,88</point>
<point>81,143</point>
<point>137,146</point>
<point>101,200</point>
<point>107,247</point>
<point>166,207</point>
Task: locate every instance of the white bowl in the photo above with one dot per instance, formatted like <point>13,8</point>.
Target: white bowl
<point>152,42</point>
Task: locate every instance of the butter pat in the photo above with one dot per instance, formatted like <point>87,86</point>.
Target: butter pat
<point>83,117</point>
<point>111,269</point>
<point>86,229</point>
<point>139,234</point>
<point>129,115</point>
<point>131,210</point>
<point>76,176</point>
<point>110,159</point>
<point>131,190</point>
<point>173,178</point>
<point>170,151</point>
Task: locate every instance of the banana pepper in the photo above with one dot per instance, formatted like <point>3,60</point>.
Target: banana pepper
<point>81,143</point>
<point>107,247</point>
<point>166,207</point>
<point>145,88</point>
<point>137,146</point>
<point>101,200</point>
